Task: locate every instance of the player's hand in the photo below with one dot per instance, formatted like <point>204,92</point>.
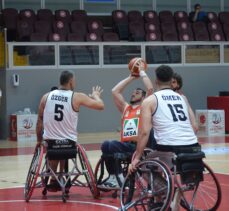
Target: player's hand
<point>96,92</point>
<point>142,66</point>
<point>132,167</point>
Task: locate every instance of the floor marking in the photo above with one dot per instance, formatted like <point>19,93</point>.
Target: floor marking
<point>80,202</point>
<point>216,150</point>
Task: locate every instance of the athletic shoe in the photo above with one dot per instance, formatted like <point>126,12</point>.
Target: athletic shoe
<point>111,182</point>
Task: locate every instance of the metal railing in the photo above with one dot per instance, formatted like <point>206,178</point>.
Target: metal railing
<point>55,55</point>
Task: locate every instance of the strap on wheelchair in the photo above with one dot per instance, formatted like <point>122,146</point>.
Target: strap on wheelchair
<point>179,149</point>
<point>118,155</point>
<point>61,149</point>
<point>190,156</point>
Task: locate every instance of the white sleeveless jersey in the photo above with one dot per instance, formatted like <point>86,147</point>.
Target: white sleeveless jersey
<point>59,119</point>
<point>171,121</point>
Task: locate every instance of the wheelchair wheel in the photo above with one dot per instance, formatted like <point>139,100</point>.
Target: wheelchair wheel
<point>101,175</point>
<point>151,187</point>
<point>205,196</point>
<point>33,173</point>
<point>144,154</point>
<point>87,171</point>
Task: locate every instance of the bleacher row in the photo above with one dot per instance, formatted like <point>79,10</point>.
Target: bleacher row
<point>63,25</point>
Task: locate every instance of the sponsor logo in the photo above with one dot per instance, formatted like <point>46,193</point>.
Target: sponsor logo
<point>130,127</point>
<point>27,123</point>
<point>216,118</point>
<point>202,119</point>
<point>64,141</point>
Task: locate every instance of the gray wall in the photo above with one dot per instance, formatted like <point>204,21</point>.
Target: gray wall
<point>199,82</point>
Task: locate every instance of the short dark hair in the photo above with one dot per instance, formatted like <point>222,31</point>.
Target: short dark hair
<point>164,73</point>
<point>54,88</point>
<point>65,76</point>
<point>143,91</point>
<point>196,5</point>
<point>179,79</point>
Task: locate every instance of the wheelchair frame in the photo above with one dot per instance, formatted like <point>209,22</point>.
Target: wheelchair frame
<point>101,175</point>
<point>138,193</point>
<point>80,168</point>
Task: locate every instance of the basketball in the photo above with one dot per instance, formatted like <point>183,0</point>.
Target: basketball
<point>134,66</point>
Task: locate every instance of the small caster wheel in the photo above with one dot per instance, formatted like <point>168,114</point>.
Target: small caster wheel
<point>115,195</point>
<point>44,192</point>
<point>64,199</point>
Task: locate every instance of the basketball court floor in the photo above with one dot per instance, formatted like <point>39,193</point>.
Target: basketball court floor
<point>15,158</point>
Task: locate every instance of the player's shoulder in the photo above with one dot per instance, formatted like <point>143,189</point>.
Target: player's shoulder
<point>150,99</point>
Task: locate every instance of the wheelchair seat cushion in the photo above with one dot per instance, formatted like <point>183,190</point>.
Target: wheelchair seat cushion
<point>190,166</point>
<point>61,149</point>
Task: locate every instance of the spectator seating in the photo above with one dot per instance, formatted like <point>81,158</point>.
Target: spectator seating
<point>200,31</point>
<point>27,15</point>
<point>169,32</point>
<point>212,17</point>
<point>224,17</point>
<point>136,31</point>
<point>75,37</point>
<point>10,16</point>
<point>63,15</point>
<point>79,15</point>
<point>134,15</point>
<point>79,27</point>
<point>76,25</point>
<point>93,37</point>
<point>110,37</point>
<point>181,16</point>
<point>42,26</point>
<point>95,26</point>
<point>60,27</point>
<point>151,16</point>
<point>184,30</point>
<point>215,31</point>
<point>38,37</point>
<point>120,24</point>
<point>166,16</point>
<point>153,36</point>
<point>24,30</point>
<point>55,37</point>
<point>226,30</point>
<point>45,14</point>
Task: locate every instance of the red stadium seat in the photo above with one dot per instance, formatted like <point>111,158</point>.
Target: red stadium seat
<point>151,16</point>
<point>27,15</point>
<point>79,15</point>
<point>45,14</point>
<point>60,27</point>
<point>166,16</point>
<point>110,37</point>
<point>96,26</point>
<point>134,15</point>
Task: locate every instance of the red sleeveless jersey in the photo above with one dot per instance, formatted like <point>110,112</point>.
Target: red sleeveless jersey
<point>130,123</point>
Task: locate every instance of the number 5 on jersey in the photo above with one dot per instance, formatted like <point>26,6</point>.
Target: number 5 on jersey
<point>59,115</point>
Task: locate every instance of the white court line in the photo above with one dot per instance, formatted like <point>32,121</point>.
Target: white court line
<point>219,161</point>
<point>12,187</point>
<point>80,202</point>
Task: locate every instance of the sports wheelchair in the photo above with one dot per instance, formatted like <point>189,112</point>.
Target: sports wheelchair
<point>101,174</point>
<point>74,155</point>
<point>154,184</point>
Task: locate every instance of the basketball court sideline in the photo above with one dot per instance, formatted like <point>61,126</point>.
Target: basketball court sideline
<point>15,158</point>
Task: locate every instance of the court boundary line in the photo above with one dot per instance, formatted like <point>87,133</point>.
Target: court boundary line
<point>71,201</point>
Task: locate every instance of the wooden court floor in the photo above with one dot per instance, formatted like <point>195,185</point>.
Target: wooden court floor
<point>15,158</point>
